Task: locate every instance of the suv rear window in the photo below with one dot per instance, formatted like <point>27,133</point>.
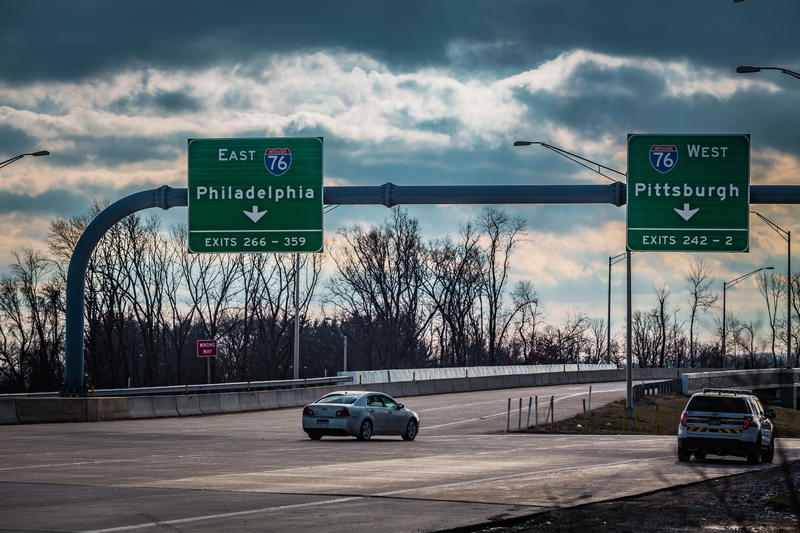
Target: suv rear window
<point>717,404</point>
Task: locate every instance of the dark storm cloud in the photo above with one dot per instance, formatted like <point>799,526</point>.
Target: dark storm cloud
<point>111,152</point>
<point>59,202</point>
<point>14,141</point>
<point>162,102</point>
<point>58,40</point>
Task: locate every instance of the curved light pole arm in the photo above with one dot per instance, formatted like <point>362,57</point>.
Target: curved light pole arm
<point>725,286</point>
<point>749,69</point>
<point>779,230</point>
<point>573,157</point>
<point>786,236</point>
<point>164,197</point>
<point>20,156</point>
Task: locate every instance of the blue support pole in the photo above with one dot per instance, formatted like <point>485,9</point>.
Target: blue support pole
<point>164,197</point>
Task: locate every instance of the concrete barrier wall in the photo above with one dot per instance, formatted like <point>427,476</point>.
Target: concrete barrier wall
<point>209,404</point>
<point>188,405</point>
<point>109,409</point>
<point>248,401</point>
<point>267,399</point>
<point>773,385</point>
<point>426,374</point>
<point>141,407</point>
<point>286,398</point>
<point>229,402</point>
<point>8,411</point>
<point>165,406</point>
<point>97,409</point>
<point>39,410</point>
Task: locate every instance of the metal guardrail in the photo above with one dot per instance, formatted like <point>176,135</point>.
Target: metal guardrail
<point>245,386</point>
<point>656,387</point>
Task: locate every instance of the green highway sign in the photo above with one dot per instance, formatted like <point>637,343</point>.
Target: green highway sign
<point>255,195</point>
<point>688,193</point>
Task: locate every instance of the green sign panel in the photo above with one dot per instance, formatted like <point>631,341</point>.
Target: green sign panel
<point>255,195</point>
<point>688,193</point>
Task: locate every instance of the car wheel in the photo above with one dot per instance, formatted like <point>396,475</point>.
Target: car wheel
<point>683,455</point>
<point>315,436</point>
<point>699,455</point>
<point>755,455</point>
<point>366,430</point>
<point>411,430</point>
<point>768,455</point>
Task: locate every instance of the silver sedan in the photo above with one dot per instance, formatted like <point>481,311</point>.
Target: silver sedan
<point>361,414</point>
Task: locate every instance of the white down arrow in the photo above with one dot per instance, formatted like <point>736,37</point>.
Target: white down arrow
<point>255,214</point>
<point>686,213</point>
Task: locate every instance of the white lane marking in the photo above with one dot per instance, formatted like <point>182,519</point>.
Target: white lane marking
<point>378,495</point>
<point>514,410</point>
<point>524,474</point>
<point>104,461</point>
<point>222,515</point>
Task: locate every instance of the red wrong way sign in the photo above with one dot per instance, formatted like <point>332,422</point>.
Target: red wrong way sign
<point>207,348</point>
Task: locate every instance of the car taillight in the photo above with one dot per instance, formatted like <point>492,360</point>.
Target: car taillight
<point>307,411</point>
<point>343,412</point>
<point>683,419</point>
<point>747,421</point>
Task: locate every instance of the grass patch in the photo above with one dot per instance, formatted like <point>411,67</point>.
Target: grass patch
<point>608,419</point>
<point>787,503</point>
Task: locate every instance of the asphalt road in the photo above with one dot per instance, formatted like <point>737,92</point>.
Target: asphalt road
<point>259,471</point>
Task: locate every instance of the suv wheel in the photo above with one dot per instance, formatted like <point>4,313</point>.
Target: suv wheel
<point>755,455</point>
<point>683,455</point>
<point>768,455</point>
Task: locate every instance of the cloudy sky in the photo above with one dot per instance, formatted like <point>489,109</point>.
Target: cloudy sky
<point>414,93</point>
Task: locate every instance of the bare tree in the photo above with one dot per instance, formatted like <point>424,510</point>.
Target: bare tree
<point>502,232</point>
<point>454,286</point>
<point>211,284</point>
<point>598,341</point>
<point>701,300</point>
<point>31,324</point>
<point>771,286</point>
<point>572,338</point>
<point>145,268</point>
<point>663,318</point>
<point>528,314</point>
<point>644,337</point>
<point>379,287</point>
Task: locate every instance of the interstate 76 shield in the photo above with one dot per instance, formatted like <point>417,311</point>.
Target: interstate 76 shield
<point>663,157</point>
<point>278,160</point>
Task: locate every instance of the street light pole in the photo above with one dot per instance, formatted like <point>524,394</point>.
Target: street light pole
<point>725,286</point>
<point>296,316</point>
<point>786,236</point>
<point>611,261</point>
<point>750,69</point>
<point>629,365</point>
<point>20,156</point>
<point>344,341</point>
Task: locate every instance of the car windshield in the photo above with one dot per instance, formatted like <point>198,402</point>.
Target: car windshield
<point>717,404</point>
<point>338,398</point>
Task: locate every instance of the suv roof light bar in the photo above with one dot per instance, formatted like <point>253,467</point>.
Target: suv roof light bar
<point>728,391</point>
